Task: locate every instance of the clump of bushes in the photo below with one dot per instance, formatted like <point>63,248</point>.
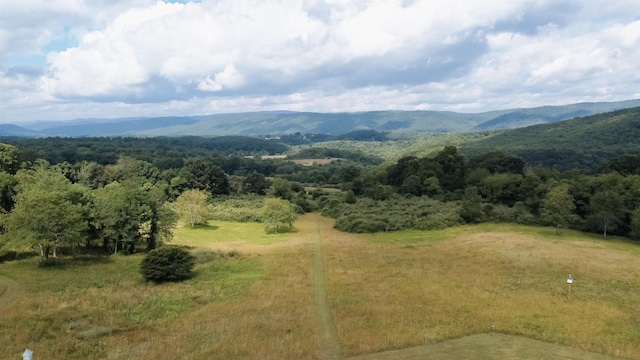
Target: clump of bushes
<point>369,216</point>
<point>169,263</point>
<point>240,209</point>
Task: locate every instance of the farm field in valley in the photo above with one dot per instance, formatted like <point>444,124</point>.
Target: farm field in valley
<point>404,295</point>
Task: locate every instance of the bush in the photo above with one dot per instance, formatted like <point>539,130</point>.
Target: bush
<point>168,263</point>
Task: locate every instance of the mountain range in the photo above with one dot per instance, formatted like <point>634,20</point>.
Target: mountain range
<point>287,122</point>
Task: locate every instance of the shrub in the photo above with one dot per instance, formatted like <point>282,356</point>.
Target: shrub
<point>168,263</point>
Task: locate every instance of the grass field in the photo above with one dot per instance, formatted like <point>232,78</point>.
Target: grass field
<point>396,290</point>
<point>417,294</point>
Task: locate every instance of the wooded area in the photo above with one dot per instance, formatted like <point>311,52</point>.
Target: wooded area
<point>124,194</point>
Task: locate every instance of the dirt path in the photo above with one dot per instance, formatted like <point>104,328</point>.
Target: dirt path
<point>11,291</point>
<point>328,340</point>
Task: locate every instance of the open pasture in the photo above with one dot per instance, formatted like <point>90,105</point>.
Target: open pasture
<point>397,290</point>
<point>404,295</point>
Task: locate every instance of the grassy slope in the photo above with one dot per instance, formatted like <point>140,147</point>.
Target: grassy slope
<point>397,290</point>
<point>387,291</point>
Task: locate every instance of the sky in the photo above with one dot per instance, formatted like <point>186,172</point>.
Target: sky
<point>68,59</point>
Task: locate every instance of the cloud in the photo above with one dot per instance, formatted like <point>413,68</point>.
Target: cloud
<point>322,55</point>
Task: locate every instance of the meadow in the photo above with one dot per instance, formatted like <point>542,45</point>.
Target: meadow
<point>400,295</point>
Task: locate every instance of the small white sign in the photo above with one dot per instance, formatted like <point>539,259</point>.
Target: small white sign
<point>570,280</point>
<point>27,355</point>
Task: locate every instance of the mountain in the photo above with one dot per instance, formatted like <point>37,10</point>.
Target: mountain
<point>585,143</point>
<point>10,130</point>
<point>287,122</point>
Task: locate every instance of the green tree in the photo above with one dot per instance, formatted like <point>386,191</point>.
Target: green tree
<point>120,211</point>
<point>162,217</point>
<point>471,209</point>
<point>606,208</point>
<point>8,184</point>
<point>192,206</point>
<point>452,168</point>
<point>281,188</point>
<point>49,213</point>
<point>558,208</point>
<point>169,263</point>
<point>277,215</point>
<point>635,224</point>
<point>9,161</point>
<point>502,188</point>
<point>203,174</point>
<point>255,183</point>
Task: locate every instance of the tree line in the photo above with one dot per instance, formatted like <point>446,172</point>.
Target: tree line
<point>449,189</point>
<point>131,203</point>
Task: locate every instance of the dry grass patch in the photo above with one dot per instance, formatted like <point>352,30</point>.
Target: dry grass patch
<point>395,292</point>
<point>249,306</point>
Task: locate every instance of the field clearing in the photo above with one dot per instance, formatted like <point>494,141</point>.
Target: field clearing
<point>405,295</point>
<point>310,162</point>
<point>397,290</point>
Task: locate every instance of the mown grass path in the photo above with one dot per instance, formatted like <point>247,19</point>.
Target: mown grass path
<point>11,291</point>
<point>328,340</point>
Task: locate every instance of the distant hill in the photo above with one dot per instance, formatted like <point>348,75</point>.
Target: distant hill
<point>287,122</point>
<point>10,130</point>
<point>584,143</point>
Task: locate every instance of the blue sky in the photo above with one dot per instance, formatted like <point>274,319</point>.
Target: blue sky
<point>67,59</point>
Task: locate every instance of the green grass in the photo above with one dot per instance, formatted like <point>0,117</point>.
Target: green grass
<point>72,308</point>
<point>434,289</point>
<point>226,232</point>
<point>410,236</point>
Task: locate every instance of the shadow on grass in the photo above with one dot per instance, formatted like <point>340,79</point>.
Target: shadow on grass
<point>204,227</point>
<point>75,261</point>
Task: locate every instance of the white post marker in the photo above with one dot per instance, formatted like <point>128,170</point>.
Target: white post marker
<point>27,355</point>
<point>570,281</point>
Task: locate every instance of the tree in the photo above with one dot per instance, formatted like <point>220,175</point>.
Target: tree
<point>412,185</point>
<point>277,215</point>
<point>48,213</point>
<point>169,263</point>
<point>8,184</point>
<point>471,209</point>
<point>281,188</point>
<point>119,213</point>
<point>162,217</point>
<point>192,206</point>
<point>606,208</point>
<point>255,183</point>
<point>635,224</point>
<point>452,168</point>
<point>203,174</point>
<point>9,161</point>
<point>558,208</point>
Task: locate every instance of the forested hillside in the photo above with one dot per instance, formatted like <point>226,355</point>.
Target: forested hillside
<point>582,143</point>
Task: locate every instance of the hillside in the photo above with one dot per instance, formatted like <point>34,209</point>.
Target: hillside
<point>584,143</point>
<point>287,122</point>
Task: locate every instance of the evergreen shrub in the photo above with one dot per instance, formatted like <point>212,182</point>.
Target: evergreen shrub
<point>169,263</point>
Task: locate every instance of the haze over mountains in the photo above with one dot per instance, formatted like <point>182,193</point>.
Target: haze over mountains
<point>286,122</point>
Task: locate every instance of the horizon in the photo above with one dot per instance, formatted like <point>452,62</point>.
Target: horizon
<point>124,118</point>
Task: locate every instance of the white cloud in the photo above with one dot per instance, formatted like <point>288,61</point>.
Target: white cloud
<point>322,55</point>
<point>228,78</point>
